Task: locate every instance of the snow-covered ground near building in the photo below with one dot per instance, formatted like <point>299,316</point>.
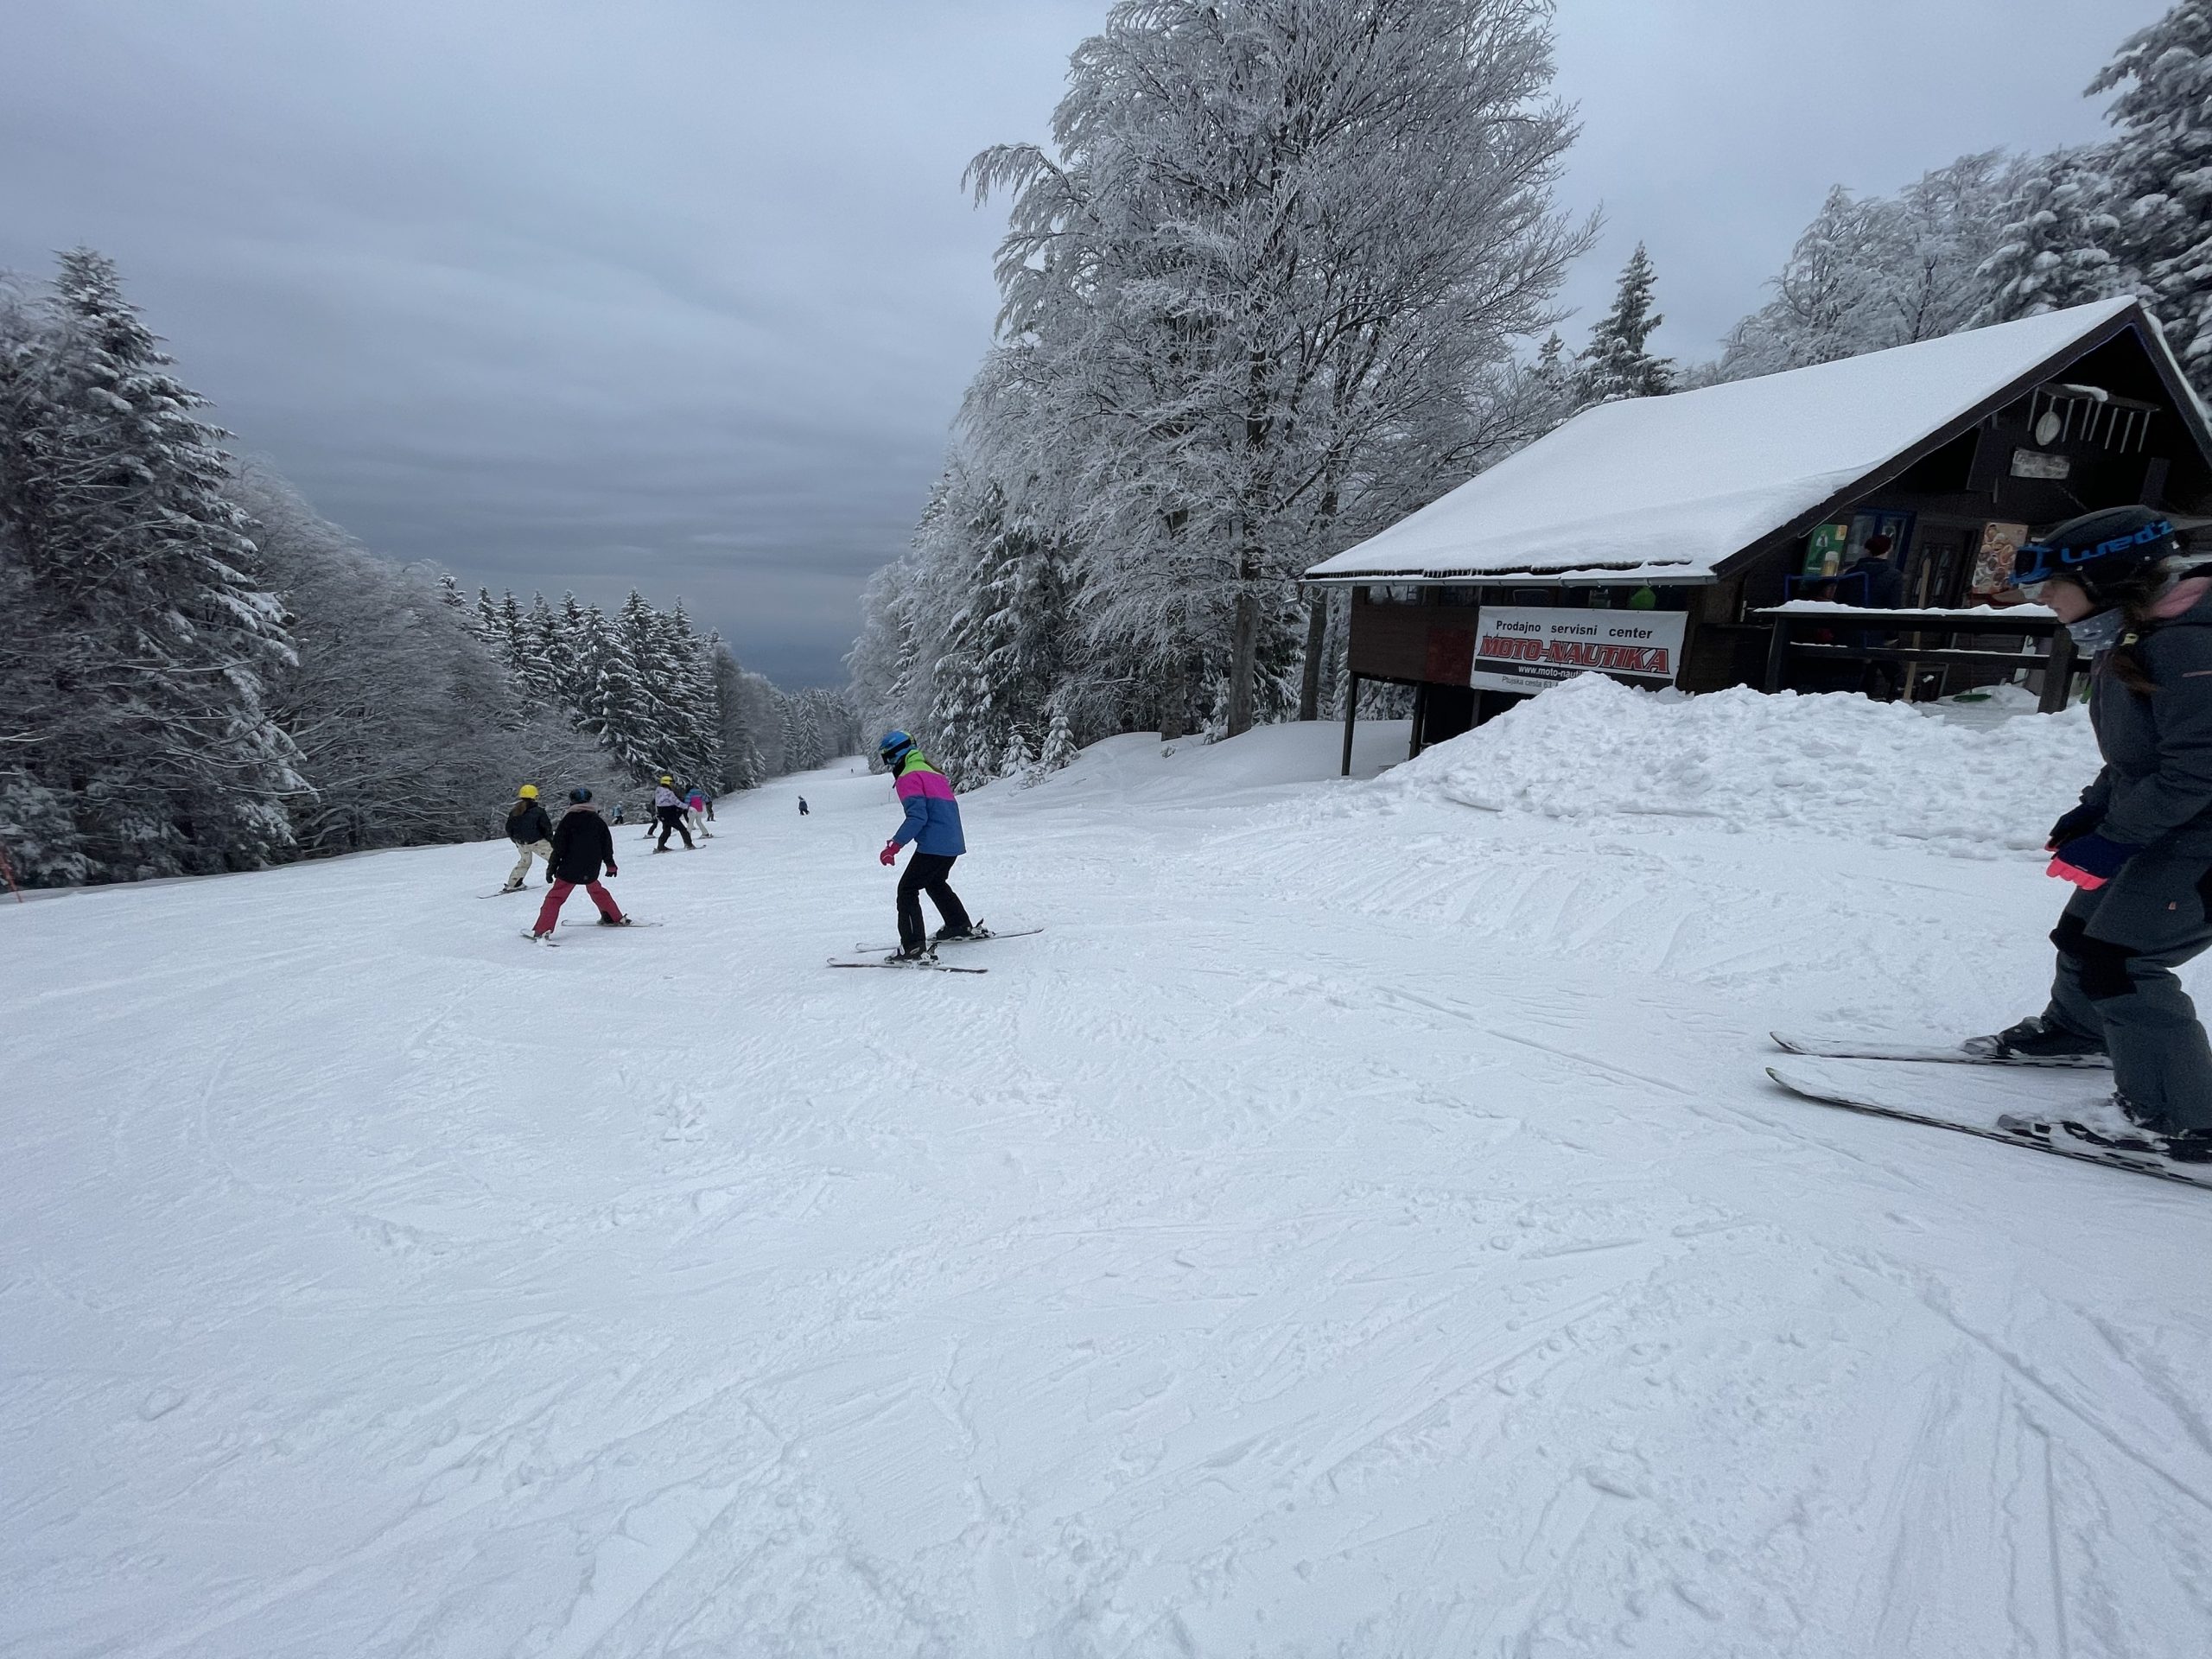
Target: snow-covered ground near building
<point>1358,1224</point>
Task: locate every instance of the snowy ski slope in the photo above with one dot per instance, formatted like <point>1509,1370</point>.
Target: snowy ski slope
<point>1358,1224</point>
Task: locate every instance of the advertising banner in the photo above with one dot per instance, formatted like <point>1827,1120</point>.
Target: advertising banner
<point>1519,648</point>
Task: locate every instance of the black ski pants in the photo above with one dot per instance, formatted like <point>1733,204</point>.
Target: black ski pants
<point>672,817</point>
<point>2117,950</point>
<point>927,872</point>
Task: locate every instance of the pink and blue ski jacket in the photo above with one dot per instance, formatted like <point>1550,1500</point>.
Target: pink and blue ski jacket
<point>932,821</point>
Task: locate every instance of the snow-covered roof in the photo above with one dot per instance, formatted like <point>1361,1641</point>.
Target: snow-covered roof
<point>1667,489</point>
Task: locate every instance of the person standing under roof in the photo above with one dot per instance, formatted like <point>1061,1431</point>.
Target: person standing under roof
<point>1874,581</point>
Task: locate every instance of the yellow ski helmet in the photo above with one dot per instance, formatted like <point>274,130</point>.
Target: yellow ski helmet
<point>669,781</point>
<point>527,792</point>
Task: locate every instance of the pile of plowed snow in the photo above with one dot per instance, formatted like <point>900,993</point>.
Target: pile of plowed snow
<point>1836,764</point>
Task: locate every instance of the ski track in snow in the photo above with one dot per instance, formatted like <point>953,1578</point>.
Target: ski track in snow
<point>1358,1224</point>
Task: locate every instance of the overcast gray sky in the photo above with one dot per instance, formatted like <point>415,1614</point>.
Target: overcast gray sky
<point>682,293</point>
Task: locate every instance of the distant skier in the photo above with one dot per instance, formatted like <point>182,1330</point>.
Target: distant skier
<point>582,844</point>
<point>932,823</point>
<point>802,806</point>
<point>618,809</point>
<point>694,807</point>
<point>668,807</point>
<point>531,831</point>
<point>2139,847</point>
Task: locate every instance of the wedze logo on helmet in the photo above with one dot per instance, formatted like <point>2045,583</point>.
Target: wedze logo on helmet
<point>2038,561</point>
<point>2149,533</point>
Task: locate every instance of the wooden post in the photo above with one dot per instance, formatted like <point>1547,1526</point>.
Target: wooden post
<point>1777,654</point>
<point>1421,712</point>
<point>2058,673</point>
<point>1351,715</point>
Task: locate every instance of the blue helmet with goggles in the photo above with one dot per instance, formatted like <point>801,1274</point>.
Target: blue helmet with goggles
<point>895,743</point>
<point>2098,552</point>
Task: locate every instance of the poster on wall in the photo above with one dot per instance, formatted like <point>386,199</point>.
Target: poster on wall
<point>1824,548</point>
<point>1521,648</point>
<point>1992,561</point>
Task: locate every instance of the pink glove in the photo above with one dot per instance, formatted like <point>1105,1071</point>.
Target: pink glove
<point>890,854</point>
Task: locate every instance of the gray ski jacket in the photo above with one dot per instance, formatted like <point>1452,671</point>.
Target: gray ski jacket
<point>2156,786</point>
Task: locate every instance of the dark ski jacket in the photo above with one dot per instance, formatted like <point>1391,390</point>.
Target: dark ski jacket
<point>2156,787</point>
<point>527,822</point>
<point>1876,584</point>
<point>582,844</point>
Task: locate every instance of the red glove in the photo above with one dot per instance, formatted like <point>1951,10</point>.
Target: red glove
<point>890,854</point>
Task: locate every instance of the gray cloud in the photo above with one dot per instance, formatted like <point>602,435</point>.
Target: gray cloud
<point>683,293</point>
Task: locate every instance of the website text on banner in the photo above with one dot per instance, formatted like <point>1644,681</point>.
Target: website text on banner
<point>1526,649</point>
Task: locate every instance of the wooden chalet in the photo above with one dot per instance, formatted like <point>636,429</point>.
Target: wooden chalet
<point>1682,522</point>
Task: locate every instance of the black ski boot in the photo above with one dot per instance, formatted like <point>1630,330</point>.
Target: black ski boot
<point>614,921</point>
<point>912,953</point>
<point>2036,1040</point>
<point>944,933</point>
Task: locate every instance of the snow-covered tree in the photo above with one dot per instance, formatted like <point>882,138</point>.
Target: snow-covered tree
<point>2056,248</point>
<point>1277,248</point>
<point>1877,271</point>
<point>1616,363</point>
<point>141,716</point>
<point>2161,166</point>
<point>402,718</point>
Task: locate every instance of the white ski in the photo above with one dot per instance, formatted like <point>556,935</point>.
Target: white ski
<point>1859,1048</point>
<point>925,964</point>
<point>2019,1106</point>
<point>978,937</point>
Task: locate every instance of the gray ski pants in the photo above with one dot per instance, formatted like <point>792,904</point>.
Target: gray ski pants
<point>2117,950</point>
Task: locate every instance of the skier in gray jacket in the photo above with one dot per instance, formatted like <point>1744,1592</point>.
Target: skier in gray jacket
<point>2139,847</point>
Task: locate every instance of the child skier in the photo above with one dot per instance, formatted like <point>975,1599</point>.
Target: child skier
<point>802,806</point>
<point>531,831</point>
<point>580,845</point>
<point>668,806</point>
<point>2139,847</point>
<point>694,807</point>
<point>932,823</point>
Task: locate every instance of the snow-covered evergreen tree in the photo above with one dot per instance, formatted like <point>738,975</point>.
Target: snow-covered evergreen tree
<point>1059,747</point>
<point>2056,246</point>
<point>134,571</point>
<point>2161,165</point>
<point>1616,363</point>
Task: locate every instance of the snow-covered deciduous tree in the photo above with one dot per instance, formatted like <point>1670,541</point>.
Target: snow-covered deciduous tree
<point>2161,167</point>
<point>1616,363</point>
<point>1877,271</point>
<point>403,720</point>
<point>1279,248</point>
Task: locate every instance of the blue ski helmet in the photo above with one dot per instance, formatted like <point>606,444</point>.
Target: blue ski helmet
<point>580,794</point>
<point>893,741</point>
<point>2098,549</point>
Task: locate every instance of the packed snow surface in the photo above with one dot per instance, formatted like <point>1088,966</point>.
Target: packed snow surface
<point>1837,767</point>
<point>1358,1225</point>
